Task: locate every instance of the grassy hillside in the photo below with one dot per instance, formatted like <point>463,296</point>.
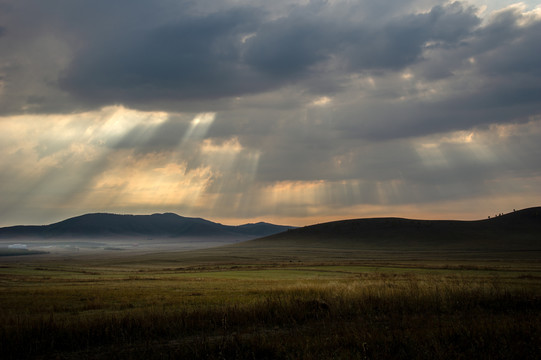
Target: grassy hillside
<point>520,230</point>
<point>513,238</point>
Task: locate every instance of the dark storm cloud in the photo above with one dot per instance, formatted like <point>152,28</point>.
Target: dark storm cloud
<point>479,107</point>
<point>507,48</point>
<point>195,58</point>
<point>289,46</point>
<point>201,55</point>
<point>240,51</point>
<point>185,55</point>
<point>401,42</point>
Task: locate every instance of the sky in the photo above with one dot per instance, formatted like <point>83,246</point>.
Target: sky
<point>292,112</point>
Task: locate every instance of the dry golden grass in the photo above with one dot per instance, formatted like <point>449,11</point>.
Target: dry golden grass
<point>282,310</point>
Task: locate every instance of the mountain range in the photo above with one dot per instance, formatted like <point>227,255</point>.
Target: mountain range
<point>167,225</point>
<point>518,230</point>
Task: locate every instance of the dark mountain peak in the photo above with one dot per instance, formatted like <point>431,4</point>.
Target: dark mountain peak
<point>166,215</point>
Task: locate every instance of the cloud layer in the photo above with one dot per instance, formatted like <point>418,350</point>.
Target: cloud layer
<point>295,110</point>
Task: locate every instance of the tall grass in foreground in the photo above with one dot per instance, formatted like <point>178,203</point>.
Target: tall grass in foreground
<point>383,318</point>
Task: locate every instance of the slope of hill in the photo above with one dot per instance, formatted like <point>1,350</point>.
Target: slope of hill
<point>169,225</point>
<point>519,230</point>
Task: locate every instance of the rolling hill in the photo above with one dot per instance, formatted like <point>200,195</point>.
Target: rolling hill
<point>519,230</point>
<point>167,225</point>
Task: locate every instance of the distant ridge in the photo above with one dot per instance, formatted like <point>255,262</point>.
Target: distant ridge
<point>519,230</point>
<point>169,225</point>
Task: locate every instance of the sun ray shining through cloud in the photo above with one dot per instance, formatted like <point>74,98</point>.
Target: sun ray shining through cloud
<point>297,111</point>
<point>199,127</point>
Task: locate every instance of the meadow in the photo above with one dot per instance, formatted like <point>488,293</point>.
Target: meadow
<point>205,305</point>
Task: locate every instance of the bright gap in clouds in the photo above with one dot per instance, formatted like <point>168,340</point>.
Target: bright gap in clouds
<point>303,112</point>
<point>71,164</point>
<point>99,161</point>
<point>199,127</point>
<point>54,160</point>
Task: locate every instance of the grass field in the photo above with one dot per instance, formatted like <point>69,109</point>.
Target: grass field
<point>205,305</point>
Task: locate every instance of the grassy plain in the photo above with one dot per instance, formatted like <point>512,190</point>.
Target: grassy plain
<point>262,303</point>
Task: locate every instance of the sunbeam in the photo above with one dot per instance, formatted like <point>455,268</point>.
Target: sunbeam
<point>299,109</point>
<point>199,127</point>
